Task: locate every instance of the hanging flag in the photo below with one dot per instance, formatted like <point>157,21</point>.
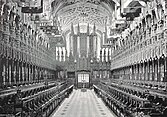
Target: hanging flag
<point>33,6</point>
<point>132,10</point>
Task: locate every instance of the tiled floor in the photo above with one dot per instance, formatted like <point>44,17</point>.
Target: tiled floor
<point>83,104</point>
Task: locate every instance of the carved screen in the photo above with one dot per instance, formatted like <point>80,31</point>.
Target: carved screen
<point>84,78</point>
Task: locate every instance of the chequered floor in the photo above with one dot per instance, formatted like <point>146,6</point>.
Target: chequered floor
<point>83,104</point>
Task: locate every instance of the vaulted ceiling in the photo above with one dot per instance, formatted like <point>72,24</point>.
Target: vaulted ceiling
<point>97,12</point>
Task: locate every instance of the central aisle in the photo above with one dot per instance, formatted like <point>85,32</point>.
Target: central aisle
<point>83,104</point>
